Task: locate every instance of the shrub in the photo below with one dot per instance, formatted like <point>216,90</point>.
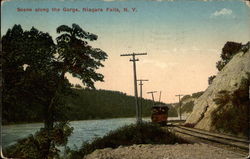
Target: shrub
<point>188,107</point>
<point>210,79</point>
<point>34,146</point>
<point>185,97</point>
<point>232,114</point>
<point>145,133</point>
<point>197,94</point>
<point>228,51</point>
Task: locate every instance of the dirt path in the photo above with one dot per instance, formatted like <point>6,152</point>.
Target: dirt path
<point>178,151</point>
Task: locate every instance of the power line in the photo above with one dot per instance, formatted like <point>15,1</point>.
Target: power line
<point>138,120</point>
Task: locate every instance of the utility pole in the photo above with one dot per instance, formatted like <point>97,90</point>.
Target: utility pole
<point>179,95</point>
<point>160,97</point>
<point>152,93</point>
<point>138,120</point>
<point>140,107</point>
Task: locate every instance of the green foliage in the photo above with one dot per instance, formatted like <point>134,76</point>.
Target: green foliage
<point>197,94</point>
<point>185,97</point>
<point>28,81</point>
<point>172,111</point>
<point>96,104</point>
<point>34,68</point>
<point>145,133</point>
<point>210,79</point>
<point>34,146</point>
<point>233,108</point>
<point>188,107</point>
<point>76,56</point>
<point>228,51</point>
<point>187,102</point>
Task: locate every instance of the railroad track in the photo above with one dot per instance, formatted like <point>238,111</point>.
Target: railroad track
<point>218,138</point>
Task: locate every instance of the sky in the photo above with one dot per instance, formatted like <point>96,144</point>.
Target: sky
<point>182,38</point>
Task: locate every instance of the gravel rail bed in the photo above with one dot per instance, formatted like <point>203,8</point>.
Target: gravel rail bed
<point>177,151</point>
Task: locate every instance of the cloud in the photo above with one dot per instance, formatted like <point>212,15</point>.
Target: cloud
<point>222,12</point>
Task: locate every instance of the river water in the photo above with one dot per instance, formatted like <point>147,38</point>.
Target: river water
<point>84,130</point>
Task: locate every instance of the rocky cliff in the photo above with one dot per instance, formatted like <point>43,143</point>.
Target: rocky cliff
<point>224,106</point>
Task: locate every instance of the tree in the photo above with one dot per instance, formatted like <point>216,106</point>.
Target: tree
<point>210,79</point>
<point>34,75</point>
<point>29,80</point>
<point>228,51</point>
<point>26,63</point>
<point>75,56</point>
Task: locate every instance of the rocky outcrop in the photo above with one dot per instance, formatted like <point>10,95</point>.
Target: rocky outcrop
<point>229,79</point>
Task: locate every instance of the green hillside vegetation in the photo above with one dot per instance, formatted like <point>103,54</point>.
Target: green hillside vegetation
<point>144,133</point>
<point>233,108</point>
<point>99,104</point>
<point>188,102</point>
<point>87,104</point>
<point>188,107</point>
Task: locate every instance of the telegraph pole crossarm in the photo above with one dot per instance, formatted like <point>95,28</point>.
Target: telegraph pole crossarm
<point>138,119</point>
<point>179,95</point>
<point>152,93</point>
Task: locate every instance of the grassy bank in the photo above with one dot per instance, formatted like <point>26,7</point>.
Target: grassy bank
<point>145,133</point>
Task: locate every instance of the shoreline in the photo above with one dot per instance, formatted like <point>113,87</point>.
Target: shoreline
<point>19,123</point>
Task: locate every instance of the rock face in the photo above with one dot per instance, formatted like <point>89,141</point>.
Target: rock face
<point>228,79</point>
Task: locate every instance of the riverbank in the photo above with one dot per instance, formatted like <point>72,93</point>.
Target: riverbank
<point>177,151</point>
<point>174,119</point>
<point>41,122</point>
<point>144,133</point>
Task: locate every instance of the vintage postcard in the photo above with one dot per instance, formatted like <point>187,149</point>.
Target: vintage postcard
<point>125,79</point>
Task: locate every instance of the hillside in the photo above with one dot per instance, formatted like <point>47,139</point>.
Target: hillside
<point>85,104</point>
<point>187,103</point>
<point>224,106</point>
<point>98,104</point>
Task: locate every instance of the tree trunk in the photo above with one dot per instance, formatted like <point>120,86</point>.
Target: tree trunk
<point>49,116</point>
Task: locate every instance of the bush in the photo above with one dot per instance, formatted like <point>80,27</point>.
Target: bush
<point>185,97</point>
<point>228,51</point>
<point>210,79</point>
<point>232,114</point>
<point>145,133</point>
<point>197,94</point>
<point>188,107</point>
<point>34,146</point>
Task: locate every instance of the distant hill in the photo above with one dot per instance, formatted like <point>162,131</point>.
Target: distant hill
<point>99,104</point>
<point>187,103</point>
<point>86,104</point>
